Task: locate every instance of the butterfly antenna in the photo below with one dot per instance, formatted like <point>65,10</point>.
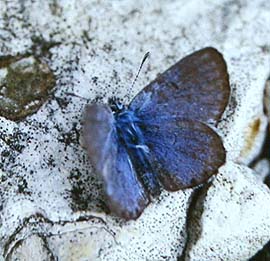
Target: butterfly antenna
<point>142,62</point>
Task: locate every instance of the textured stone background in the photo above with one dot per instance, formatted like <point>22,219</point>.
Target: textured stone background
<point>51,203</point>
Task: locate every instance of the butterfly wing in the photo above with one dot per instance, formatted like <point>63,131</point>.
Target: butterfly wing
<point>197,87</point>
<point>127,197</point>
<point>172,111</point>
<point>184,153</point>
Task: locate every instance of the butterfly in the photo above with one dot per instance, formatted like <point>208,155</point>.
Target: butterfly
<point>164,138</point>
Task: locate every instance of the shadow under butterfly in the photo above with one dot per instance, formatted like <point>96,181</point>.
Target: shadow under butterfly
<point>162,138</point>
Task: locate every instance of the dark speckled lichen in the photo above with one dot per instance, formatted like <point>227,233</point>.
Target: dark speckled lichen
<point>25,83</point>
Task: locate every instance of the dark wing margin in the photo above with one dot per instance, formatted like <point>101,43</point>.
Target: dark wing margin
<point>184,153</point>
<point>126,195</point>
<point>197,87</point>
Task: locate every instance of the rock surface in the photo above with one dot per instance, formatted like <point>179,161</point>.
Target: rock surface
<point>231,218</point>
<point>25,83</point>
<point>49,195</point>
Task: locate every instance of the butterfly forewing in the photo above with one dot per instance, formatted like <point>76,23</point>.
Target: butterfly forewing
<point>197,87</point>
<point>126,196</point>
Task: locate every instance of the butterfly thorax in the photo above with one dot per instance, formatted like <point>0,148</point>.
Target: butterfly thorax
<point>129,132</point>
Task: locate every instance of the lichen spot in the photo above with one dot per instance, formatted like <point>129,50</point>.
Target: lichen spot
<point>25,84</point>
<point>251,134</point>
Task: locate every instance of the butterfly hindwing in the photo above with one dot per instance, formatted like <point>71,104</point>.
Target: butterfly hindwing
<point>126,196</point>
<point>197,87</point>
<point>184,153</point>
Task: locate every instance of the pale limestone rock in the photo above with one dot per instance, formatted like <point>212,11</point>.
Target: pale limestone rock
<point>232,220</point>
<point>262,169</point>
<point>48,186</point>
<point>32,248</point>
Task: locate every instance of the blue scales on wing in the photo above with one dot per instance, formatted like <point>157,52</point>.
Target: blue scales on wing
<point>183,153</point>
<point>173,114</point>
<point>197,87</point>
<point>126,195</point>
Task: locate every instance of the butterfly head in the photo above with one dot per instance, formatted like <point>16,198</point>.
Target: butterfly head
<point>116,105</point>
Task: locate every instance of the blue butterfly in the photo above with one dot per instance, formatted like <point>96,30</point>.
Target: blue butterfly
<point>162,138</point>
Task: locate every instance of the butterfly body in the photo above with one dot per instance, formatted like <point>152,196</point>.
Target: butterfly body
<point>130,135</point>
<point>163,138</point>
